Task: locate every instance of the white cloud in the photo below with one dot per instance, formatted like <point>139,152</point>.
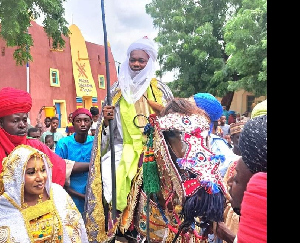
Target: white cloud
<point>126,21</point>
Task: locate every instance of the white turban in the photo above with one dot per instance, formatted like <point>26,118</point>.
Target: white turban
<point>144,44</point>
<point>134,84</point>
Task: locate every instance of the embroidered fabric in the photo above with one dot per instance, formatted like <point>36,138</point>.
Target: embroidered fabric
<point>94,216</point>
<point>198,158</point>
<point>54,220</point>
<point>179,181</point>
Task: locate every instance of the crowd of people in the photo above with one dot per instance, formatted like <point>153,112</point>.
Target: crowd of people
<point>47,177</point>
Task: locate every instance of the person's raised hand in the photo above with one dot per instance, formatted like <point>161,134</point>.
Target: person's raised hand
<point>108,113</point>
<point>42,108</point>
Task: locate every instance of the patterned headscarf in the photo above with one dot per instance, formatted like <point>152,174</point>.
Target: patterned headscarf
<point>14,167</point>
<point>134,84</point>
<point>14,101</point>
<point>253,144</point>
<point>61,217</point>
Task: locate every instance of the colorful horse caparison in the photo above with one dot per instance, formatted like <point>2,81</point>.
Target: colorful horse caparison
<point>178,191</point>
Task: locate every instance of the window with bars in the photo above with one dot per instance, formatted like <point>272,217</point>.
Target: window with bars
<point>101,80</point>
<point>54,77</point>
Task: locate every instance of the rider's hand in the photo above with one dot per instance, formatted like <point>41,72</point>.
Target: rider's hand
<point>108,113</point>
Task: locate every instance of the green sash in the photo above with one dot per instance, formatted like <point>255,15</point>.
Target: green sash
<point>132,149</point>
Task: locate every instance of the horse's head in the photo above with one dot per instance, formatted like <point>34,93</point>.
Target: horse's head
<point>188,170</point>
<point>173,129</point>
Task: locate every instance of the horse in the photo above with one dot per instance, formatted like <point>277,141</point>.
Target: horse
<point>177,192</point>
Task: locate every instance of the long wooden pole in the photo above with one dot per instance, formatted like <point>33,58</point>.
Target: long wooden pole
<point>113,169</point>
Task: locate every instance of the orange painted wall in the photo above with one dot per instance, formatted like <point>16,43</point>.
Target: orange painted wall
<point>10,74</point>
<point>44,59</point>
<point>98,67</point>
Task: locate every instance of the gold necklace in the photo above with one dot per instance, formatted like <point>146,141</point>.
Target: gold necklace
<point>40,199</point>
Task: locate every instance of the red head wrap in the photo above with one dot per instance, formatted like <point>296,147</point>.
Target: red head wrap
<point>81,111</point>
<point>253,221</point>
<point>14,101</point>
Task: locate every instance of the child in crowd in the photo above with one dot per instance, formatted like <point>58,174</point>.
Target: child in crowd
<point>70,129</point>
<point>53,131</point>
<point>49,141</point>
<point>95,115</point>
<point>34,132</point>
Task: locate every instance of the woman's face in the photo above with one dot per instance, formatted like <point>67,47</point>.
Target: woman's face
<point>35,176</point>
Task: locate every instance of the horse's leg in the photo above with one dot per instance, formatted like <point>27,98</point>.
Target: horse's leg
<point>131,236</point>
<point>126,237</point>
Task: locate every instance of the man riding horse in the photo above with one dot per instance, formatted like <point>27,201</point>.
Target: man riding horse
<point>177,190</point>
<point>136,84</point>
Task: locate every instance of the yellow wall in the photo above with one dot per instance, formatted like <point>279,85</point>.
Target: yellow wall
<point>239,101</point>
<point>84,82</point>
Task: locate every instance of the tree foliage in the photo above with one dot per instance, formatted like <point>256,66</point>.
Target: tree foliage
<point>15,18</point>
<point>198,37</point>
<point>246,43</point>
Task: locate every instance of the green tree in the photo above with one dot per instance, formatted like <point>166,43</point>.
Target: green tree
<point>246,44</point>
<point>15,18</point>
<point>191,40</point>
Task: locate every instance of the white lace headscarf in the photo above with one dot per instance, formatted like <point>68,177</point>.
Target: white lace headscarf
<point>133,84</point>
<point>14,167</point>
